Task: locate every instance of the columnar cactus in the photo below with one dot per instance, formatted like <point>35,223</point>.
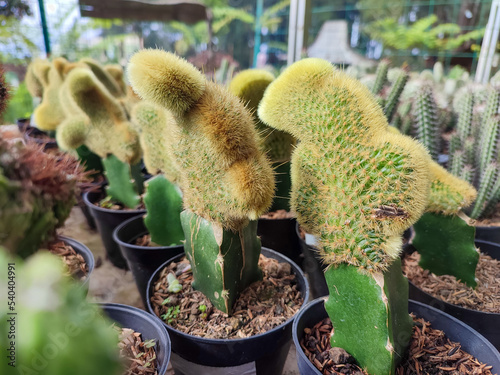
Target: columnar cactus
<point>226,180</point>
<point>249,85</point>
<point>428,129</point>
<point>96,119</point>
<point>357,187</point>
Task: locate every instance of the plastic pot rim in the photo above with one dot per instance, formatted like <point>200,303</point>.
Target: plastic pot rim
<point>226,341</point>
<point>120,242</point>
<point>93,206</point>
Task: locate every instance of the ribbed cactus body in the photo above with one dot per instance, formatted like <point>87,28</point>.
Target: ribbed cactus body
<point>356,186</point>
<point>488,143</point>
<point>395,93</point>
<point>427,122</point>
<point>465,116</point>
<point>225,177</point>
<point>486,184</point>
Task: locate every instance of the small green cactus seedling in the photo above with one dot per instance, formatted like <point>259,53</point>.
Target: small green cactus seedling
<point>96,119</point>
<point>357,186</point>
<point>249,85</point>
<point>57,331</point>
<point>225,179</point>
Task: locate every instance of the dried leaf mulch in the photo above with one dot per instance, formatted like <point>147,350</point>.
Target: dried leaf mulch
<point>76,265</point>
<point>485,297</point>
<point>261,307</point>
<point>145,241</point>
<point>430,353</point>
<point>108,203</point>
<point>279,214</point>
<point>139,355</point>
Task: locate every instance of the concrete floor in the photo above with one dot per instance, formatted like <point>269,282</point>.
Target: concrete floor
<point>111,284</point>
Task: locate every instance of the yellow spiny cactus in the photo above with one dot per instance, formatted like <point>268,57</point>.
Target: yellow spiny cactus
<point>249,85</point>
<point>95,118</point>
<point>225,176</point>
<point>37,77</point>
<point>356,184</point>
<point>49,114</point>
<point>116,71</point>
<point>155,125</point>
<point>107,79</point>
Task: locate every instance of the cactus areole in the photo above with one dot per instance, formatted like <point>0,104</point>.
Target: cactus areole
<point>357,187</point>
<point>226,180</point>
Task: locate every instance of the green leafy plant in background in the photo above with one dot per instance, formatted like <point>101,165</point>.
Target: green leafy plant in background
<point>420,34</point>
<point>20,105</point>
<point>225,177</point>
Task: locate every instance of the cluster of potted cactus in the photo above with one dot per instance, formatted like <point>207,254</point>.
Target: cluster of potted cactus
<point>314,141</point>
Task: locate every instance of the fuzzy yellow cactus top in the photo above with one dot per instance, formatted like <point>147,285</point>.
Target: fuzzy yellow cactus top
<point>95,118</point>
<point>155,125</point>
<point>37,77</point>
<point>225,177</point>
<point>449,194</point>
<point>49,114</point>
<point>355,184</point>
<point>249,85</point>
<point>108,79</point>
<point>116,71</point>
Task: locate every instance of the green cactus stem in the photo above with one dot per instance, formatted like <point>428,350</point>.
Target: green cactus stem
<point>457,163</point>
<point>224,262</point>
<point>89,160</point>
<point>121,186</point>
<point>226,179</point>
<point>380,320</point>
<point>487,182</point>
<point>446,246</point>
<point>465,116</point>
<point>357,186</point>
<point>380,76</point>
<point>395,93</point>
<point>427,124</point>
<point>163,203</point>
<point>488,142</point>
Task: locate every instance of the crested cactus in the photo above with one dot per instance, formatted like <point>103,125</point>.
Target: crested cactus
<point>37,77</point>
<point>226,180</point>
<point>50,113</point>
<point>96,119</point>
<point>356,186</point>
<point>109,80</point>
<point>249,85</point>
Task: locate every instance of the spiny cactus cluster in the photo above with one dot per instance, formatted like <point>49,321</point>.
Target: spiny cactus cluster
<point>356,186</point>
<point>473,147</point>
<point>37,192</point>
<point>225,177</point>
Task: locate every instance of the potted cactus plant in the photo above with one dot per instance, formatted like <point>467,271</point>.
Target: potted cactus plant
<point>276,229</point>
<point>356,186</point>
<point>227,183</point>
<point>38,192</point>
<point>96,119</point>
<point>147,242</point>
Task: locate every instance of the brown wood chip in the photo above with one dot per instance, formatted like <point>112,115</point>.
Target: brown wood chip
<point>139,356</point>
<point>76,265</point>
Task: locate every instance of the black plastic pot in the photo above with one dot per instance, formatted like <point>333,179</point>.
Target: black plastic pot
<point>144,323</point>
<point>280,235</point>
<point>106,221</point>
<point>87,255</point>
<point>262,354</point>
<point>490,234</point>
<point>143,261</point>
<point>470,340</point>
<point>487,324</point>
